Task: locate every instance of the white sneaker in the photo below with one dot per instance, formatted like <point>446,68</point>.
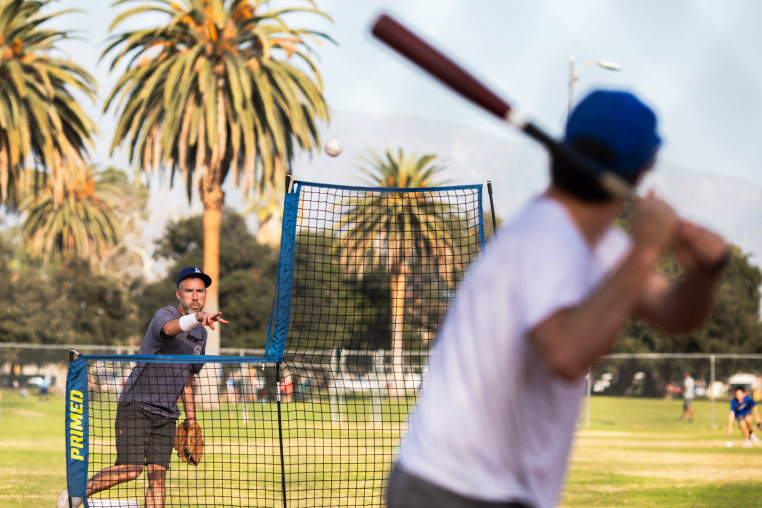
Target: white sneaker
<point>754,438</point>
<point>63,500</point>
<point>747,443</point>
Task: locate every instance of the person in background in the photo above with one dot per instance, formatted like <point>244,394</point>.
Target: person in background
<point>688,394</point>
<point>741,408</point>
<point>44,394</point>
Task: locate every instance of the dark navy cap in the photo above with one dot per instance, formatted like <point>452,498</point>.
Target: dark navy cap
<point>193,271</point>
<point>622,123</point>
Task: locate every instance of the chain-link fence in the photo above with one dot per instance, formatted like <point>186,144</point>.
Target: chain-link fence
<point>661,375</point>
<point>29,366</point>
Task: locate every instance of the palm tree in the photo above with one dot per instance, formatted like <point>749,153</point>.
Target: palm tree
<point>81,225</point>
<point>396,231</point>
<point>127,198</point>
<point>41,123</point>
<point>222,88</point>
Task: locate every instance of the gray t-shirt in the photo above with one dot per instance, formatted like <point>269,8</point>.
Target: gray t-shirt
<point>155,387</point>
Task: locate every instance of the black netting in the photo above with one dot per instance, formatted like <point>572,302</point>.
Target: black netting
<point>373,272</point>
<point>236,407</point>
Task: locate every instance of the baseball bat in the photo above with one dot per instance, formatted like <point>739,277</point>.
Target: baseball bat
<point>452,75</point>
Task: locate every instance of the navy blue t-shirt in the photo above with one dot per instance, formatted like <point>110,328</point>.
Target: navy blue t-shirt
<point>155,387</point>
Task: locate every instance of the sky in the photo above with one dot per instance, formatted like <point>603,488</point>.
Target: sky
<point>695,62</point>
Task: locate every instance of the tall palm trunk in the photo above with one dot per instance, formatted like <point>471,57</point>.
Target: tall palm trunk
<point>212,220</point>
<point>213,198</point>
<point>399,281</point>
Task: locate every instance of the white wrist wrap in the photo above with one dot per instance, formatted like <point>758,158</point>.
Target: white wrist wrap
<point>188,322</point>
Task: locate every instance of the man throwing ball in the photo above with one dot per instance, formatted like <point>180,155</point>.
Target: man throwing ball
<point>549,297</point>
<point>146,418</point>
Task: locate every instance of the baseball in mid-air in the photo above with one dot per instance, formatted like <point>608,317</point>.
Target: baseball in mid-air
<point>333,147</point>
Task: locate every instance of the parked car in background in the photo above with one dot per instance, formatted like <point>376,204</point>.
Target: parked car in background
<point>603,383</point>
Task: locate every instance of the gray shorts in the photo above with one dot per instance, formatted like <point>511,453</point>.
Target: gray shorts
<point>687,403</point>
<point>142,437</point>
<point>408,491</point>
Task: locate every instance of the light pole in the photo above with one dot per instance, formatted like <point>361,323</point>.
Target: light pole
<point>574,76</point>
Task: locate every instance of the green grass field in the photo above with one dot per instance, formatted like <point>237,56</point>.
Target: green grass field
<point>634,453</point>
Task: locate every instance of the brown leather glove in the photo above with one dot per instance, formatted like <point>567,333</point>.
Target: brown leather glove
<point>189,442</point>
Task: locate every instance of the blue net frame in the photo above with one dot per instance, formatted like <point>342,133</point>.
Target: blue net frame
<point>365,277</point>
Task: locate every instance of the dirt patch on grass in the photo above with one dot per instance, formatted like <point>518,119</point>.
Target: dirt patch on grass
<point>682,461</point>
<point>26,413</point>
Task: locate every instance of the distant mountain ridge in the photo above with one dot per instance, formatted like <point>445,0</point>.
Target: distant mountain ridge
<point>517,168</point>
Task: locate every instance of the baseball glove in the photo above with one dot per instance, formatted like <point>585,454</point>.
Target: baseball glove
<point>189,442</point>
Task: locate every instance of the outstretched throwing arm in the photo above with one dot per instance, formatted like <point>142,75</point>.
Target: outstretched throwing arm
<point>175,326</point>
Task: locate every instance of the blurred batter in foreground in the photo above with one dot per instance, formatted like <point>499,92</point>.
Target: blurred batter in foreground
<point>548,298</point>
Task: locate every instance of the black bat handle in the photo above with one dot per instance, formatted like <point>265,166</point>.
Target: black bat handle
<point>611,182</point>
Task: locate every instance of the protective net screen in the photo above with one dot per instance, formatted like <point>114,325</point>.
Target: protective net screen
<point>365,278</point>
<point>236,409</point>
<point>374,271</point>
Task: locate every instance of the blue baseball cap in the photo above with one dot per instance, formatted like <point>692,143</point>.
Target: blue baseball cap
<point>622,123</point>
<point>193,271</point>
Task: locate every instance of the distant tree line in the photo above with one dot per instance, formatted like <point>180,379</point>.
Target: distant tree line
<point>733,327</point>
<point>78,303</point>
<point>75,303</point>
